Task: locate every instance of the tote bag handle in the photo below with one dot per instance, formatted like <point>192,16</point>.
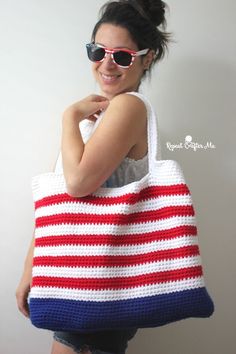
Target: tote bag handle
<point>154,145</point>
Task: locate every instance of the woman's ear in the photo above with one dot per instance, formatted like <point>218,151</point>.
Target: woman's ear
<point>148,59</point>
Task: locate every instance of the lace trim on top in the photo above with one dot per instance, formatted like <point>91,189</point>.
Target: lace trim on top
<point>128,171</point>
<point>142,158</point>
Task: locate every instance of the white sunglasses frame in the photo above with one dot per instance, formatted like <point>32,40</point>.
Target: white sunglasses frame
<point>112,51</point>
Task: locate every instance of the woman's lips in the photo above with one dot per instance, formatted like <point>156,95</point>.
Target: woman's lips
<point>109,79</point>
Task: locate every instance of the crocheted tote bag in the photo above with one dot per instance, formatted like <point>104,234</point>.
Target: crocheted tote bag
<point>120,257</point>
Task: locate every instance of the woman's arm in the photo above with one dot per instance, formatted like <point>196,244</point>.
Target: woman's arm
<point>87,166</point>
<point>24,285</point>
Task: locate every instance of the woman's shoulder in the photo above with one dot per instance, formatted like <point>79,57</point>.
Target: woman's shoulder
<point>126,112</point>
<point>132,100</point>
<point>135,99</point>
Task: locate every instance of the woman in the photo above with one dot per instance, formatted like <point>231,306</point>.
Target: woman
<point>126,43</point>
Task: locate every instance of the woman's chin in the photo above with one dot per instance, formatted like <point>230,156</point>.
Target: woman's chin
<point>109,91</point>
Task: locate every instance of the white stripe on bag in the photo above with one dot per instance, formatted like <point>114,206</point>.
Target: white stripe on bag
<point>111,229</point>
<point>121,294</point>
<point>103,250</point>
<point>160,202</point>
<point>113,272</point>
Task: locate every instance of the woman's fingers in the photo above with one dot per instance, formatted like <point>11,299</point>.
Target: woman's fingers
<point>104,104</point>
<point>97,106</point>
<point>89,106</point>
<point>22,304</point>
<point>97,98</point>
<point>21,299</point>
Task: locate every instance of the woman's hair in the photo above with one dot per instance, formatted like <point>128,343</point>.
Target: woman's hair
<point>143,19</point>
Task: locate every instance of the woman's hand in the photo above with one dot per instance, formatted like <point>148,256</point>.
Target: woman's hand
<point>88,108</point>
<point>22,292</point>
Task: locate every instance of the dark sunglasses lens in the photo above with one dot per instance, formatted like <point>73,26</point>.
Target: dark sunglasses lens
<point>95,53</point>
<point>122,58</point>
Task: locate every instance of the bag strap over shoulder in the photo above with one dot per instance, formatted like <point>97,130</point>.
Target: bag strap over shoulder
<point>154,145</point>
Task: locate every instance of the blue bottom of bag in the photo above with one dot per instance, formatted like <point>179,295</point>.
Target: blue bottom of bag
<point>87,316</point>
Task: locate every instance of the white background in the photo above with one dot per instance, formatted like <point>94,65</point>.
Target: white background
<point>44,69</point>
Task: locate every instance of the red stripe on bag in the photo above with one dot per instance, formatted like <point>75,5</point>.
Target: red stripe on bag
<point>116,219</point>
<point>129,198</point>
<point>118,282</point>
<point>115,261</point>
<point>117,240</point>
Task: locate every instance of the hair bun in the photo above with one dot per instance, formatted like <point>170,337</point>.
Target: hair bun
<point>154,10</point>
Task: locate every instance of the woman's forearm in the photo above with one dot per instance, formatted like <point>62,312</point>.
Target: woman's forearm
<point>72,145</point>
<point>23,288</point>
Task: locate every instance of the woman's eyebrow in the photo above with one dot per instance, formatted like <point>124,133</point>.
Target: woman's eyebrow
<point>120,47</point>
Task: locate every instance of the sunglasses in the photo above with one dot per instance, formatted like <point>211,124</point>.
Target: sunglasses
<point>121,57</point>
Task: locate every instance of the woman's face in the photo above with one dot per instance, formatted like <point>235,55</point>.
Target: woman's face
<point>111,78</point>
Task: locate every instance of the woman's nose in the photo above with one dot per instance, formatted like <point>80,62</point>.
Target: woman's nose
<point>108,61</point>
